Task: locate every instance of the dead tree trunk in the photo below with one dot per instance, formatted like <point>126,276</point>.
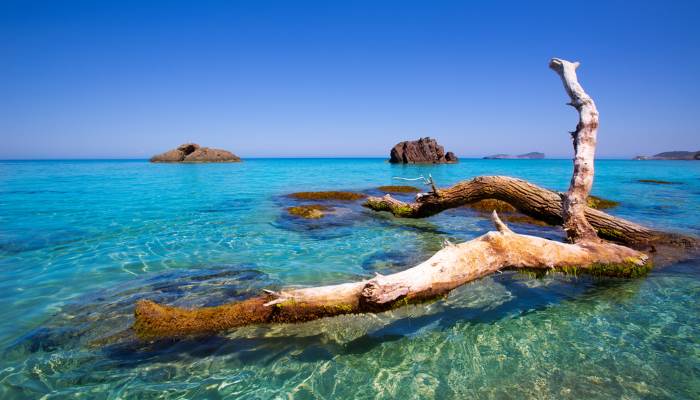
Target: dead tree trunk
<point>532,200</point>
<point>584,137</point>
<point>449,268</point>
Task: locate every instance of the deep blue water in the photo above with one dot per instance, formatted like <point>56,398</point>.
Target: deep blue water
<point>81,241</point>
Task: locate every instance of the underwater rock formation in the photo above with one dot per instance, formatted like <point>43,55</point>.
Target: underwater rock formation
<point>657,182</point>
<point>398,189</point>
<point>194,153</point>
<point>330,195</point>
<point>310,211</point>
<point>422,151</point>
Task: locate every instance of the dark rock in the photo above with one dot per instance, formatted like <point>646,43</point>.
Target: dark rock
<point>188,148</point>
<point>424,150</point>
<point>193,153</point>
<point>530,156</point>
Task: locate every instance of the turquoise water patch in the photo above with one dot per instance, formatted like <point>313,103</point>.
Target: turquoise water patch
<point>82,241</point>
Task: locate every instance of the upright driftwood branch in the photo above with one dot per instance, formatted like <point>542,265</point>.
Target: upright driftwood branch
<point>447,269</point>
<point>584,137</point>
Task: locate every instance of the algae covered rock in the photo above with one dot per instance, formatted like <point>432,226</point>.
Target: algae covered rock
<point>310,211</point>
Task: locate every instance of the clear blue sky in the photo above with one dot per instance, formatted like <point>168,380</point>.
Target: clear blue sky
<point>295,78</point>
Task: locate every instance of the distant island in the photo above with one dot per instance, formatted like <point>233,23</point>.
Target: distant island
<point>422,151</point>
<point>532,156</point>
<point>194,153</point>
<point>672,155</point>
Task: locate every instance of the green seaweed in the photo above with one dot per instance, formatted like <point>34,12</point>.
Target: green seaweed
<point>402,211</point>
<point>629,268</point>
<point>612,234</point>
<point>600,203</point>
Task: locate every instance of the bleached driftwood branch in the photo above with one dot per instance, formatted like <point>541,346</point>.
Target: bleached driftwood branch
<point>584,137</point>
<point>449,268</point>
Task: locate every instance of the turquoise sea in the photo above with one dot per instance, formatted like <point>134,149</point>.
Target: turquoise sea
<point>82,241</point>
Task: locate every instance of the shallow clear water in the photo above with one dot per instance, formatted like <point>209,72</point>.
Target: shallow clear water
<point>81,241</point>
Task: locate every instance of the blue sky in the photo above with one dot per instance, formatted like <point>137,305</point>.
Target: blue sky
<point>128,79</point>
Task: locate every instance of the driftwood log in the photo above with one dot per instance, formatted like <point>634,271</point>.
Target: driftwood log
<point>532,200</point>
<point>452,266</point>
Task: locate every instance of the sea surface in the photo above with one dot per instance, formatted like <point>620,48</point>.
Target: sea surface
<point>82,241</point>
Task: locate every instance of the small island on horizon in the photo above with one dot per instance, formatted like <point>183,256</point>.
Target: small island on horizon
<point>672,155</point>
<point>534,155</point>
<point>422,151</point>
<point>194,153</point>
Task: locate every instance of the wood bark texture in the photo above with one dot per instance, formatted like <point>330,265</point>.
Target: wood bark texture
<point>584,138</point>
<point>532,200</point>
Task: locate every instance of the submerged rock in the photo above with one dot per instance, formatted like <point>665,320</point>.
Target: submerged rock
<point>398,189</point>
<point>506,211</point>
<point>423,150</point>
<point>489,205</point>
<point>310,211</point>
<point>656,181</point>
<point>600,203</point>
<point>330,195</point>
<point>194,153</point>
<point>509,213</point>
<point>527,156</point>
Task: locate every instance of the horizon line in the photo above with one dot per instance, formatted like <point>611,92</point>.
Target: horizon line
<point>303,157</point>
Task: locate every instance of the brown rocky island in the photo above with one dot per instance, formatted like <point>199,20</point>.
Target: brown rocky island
<point>194,153</point>
<point>422,151</point>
